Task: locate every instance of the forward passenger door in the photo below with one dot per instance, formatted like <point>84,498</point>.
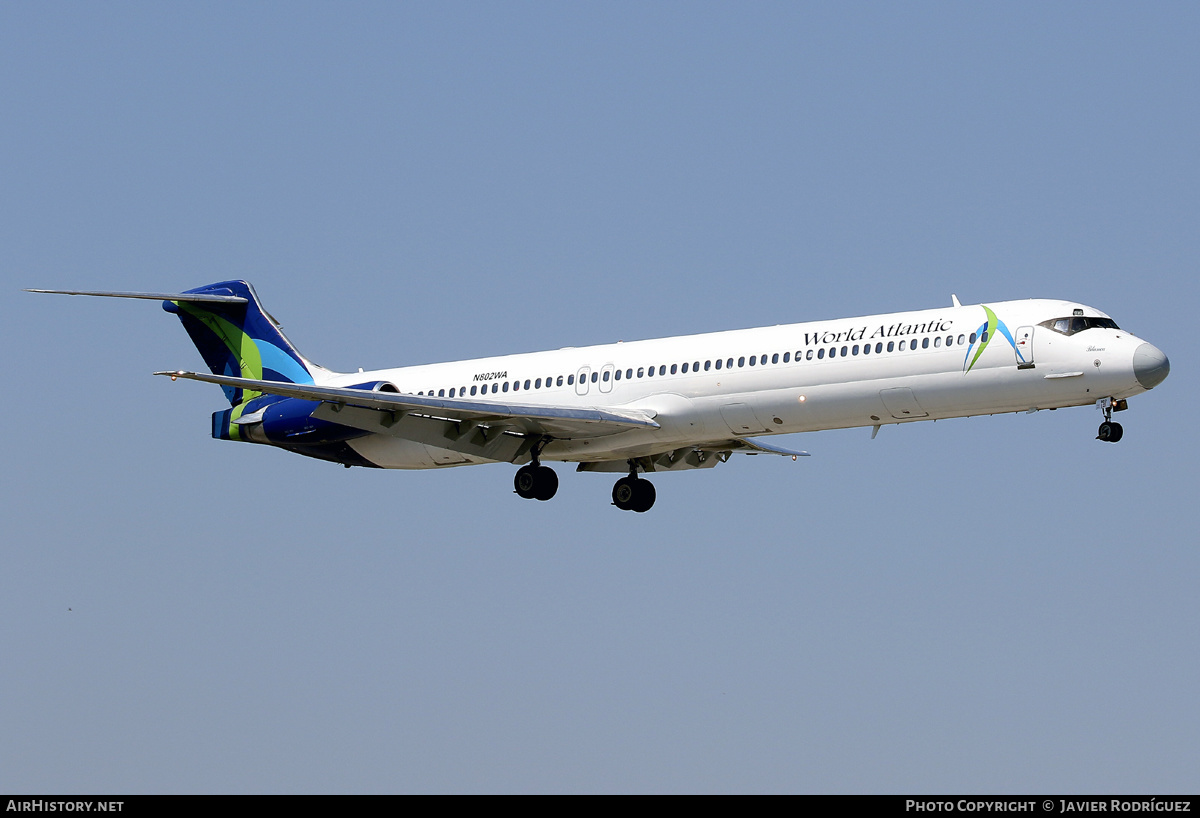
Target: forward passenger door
<point>1024,348</point>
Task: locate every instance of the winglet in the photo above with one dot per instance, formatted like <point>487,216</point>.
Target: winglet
<point>954,298</point>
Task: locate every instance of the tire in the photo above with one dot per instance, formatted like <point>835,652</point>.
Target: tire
<point>1106,431</point>
<point>525,482</point>
<point>625,492</point>
<point>1117,433</point>
<point>643,497</point>
<point>545,483</point>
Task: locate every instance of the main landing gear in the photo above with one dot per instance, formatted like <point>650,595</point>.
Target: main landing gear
<point>633,494</point>
<point>1110,430</point>
<point>535,482</point>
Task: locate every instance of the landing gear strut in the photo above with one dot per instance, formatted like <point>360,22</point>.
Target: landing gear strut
<point>535,481</point>
<point>632,494</point>
<point>1110,430</point>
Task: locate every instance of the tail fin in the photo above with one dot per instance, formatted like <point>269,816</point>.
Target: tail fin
<point>237,337</point>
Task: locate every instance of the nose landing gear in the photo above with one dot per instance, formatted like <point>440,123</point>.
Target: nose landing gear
<point>1110,431</point>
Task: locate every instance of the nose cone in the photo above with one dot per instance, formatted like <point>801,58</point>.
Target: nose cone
<point>1150,366</point>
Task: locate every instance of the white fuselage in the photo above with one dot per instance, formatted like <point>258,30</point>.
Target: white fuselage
<point>865,371</point>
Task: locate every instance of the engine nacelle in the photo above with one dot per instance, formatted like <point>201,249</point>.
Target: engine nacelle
<point>290,421</point>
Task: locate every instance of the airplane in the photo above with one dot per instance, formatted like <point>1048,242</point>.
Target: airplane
<point>670,404</point>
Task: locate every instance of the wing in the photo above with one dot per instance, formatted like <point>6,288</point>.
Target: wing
<point>392,407</point>
<point>749,446</point>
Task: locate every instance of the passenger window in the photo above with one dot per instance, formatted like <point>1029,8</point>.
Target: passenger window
<point>495,388</point>
<point>984,336</point>
<point>628,374</point>
<point>595,375</point>
<point>526,384</point>
<point>924,343</point>
<point>505,387</point>
<point>820,353</point>
<point>707,365</point>
<point>729,363</point>
<point>662,369</point>
<point>891,346</point>
<point>962,340</point>
<point>854,349</point>
<point>641,372</point>
<point>570,380</point>
<point>537,384</point>
<point>650,372</point>
<point>605,376</point>
<point>684,368</point>
<point>472,391</point>
<point>695,366</point>
<point>753,360</point>
<point>674,368</point>
<point>866,349</point>
<point>973,337</point>
<point>742,361</point>
<point>937,342</point>
<point>844,350</point>
<point>451,391</point>
<point>787,356</point>
<point>775,358</point>
<point>616,375</point>
<point>903,345</point>
<point>809,355</point>
<point>719,362</point>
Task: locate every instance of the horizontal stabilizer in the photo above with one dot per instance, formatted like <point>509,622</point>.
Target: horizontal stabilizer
<point>194,297</point>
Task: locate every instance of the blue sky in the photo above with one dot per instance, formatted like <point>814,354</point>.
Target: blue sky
<point>983,605</point>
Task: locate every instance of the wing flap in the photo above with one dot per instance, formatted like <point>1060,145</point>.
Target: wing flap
<point>700,456</point>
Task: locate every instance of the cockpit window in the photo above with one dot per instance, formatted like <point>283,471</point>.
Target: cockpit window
<point>1078,323</point>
